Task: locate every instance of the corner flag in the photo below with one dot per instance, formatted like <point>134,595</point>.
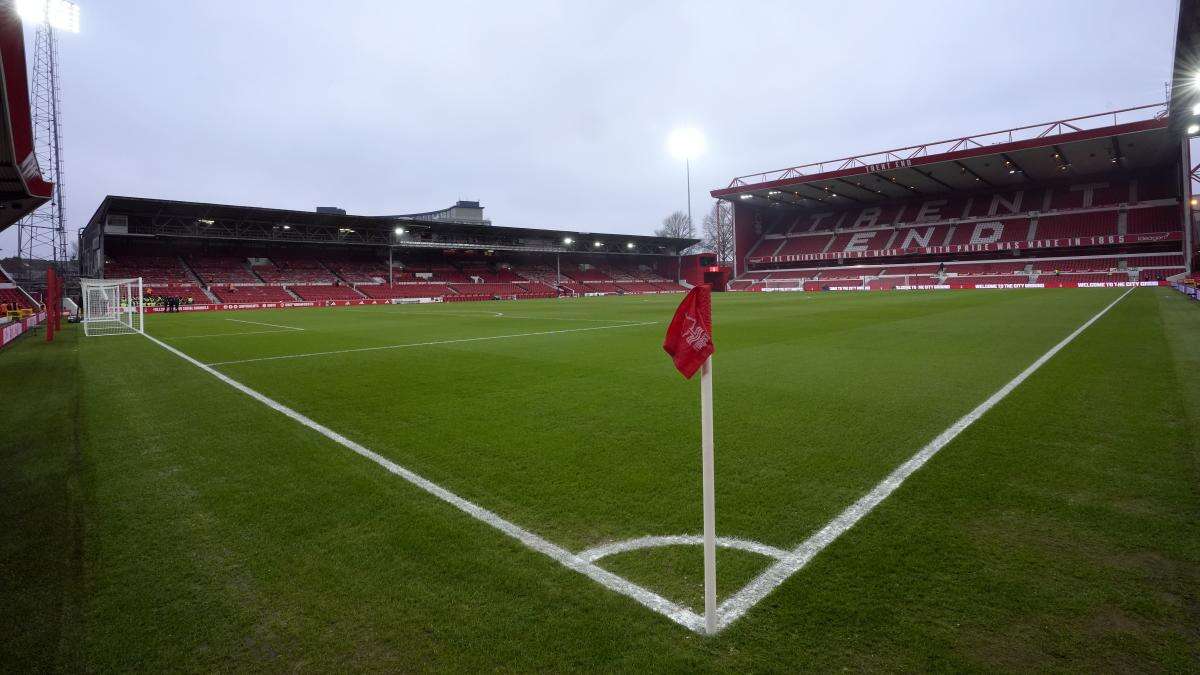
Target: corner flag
<point>689,337</point>
<point>689,342</point>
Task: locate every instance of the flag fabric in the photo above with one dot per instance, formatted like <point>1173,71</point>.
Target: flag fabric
<point>689,337</point>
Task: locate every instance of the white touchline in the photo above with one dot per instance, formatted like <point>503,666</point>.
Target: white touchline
<point>737,604</point>
<point>428,344</point>
<point>263,323</point>
<point>210,335</point>
<point>681,615</point>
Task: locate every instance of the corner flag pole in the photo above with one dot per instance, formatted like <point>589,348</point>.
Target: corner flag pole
<point>710,508</point>
<point>689,342</point>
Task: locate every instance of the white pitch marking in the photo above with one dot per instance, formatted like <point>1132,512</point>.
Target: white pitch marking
<point>738,604</point>
<point>252,332</point>
<point>427,344</point>
<point>681,615</point>
<point>604,550</point>
<point>263,323</point>
<point>469,314</point>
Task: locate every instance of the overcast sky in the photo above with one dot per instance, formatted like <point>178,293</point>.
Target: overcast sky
<point>555,114</point>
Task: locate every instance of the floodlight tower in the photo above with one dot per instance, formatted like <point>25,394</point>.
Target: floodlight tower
<point>687,143</point>
<point>44,231</point>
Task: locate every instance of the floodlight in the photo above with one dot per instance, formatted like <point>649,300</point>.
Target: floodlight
<point>597,244</point>
<point>287,227</point>
<point>568,241</point>
<point>629,245</point>
<point>745,196</point>
<point>399,230</point>
<point>1193,128</point>
<point>60,14</point>
<point>686,143</point>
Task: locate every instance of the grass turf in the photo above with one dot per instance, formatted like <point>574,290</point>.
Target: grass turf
<point>173,522</point>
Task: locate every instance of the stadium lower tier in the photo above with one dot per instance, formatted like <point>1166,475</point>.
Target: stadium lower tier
<point>1089,270</point>
<point>305,274</point>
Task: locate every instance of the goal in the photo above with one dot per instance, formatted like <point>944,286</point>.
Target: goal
<point>783,285</point>
<point>112,306</point>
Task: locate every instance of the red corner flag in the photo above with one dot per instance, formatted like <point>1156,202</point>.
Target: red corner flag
<point>689,337</point>
<point>689,342</point>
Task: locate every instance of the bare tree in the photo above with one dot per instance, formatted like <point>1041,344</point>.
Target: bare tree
<point>718,231</point>
<point>676,225</point>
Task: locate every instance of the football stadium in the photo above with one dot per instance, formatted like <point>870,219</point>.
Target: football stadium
<point>928,408</point>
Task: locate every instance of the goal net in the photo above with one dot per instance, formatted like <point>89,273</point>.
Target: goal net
<point>783,285</point>
<point>112,306</point>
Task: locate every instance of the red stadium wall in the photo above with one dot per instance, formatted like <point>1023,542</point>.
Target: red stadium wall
<point>745,235</point>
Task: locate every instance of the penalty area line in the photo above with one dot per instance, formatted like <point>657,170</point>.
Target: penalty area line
<point>212,335</point>
<point>739,603</point>
<point>263,323</point>
<point>401,313</point>
<point>647,598</point>
<point>428,344</point>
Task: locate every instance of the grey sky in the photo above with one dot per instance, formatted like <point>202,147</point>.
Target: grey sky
<point>555,114</point>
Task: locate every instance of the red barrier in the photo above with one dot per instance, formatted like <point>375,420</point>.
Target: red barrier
<point>12,330</point>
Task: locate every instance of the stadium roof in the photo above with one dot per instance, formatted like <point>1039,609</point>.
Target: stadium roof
<point>1129,139</point>
<point>165,217</point>
<point>21,186</point>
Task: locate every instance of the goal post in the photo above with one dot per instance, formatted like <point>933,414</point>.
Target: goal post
<point>783,284</point>
<point>112,306</point>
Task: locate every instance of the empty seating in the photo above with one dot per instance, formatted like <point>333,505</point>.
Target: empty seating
<point>244,294</point>
<point>154,270</point>
<point>1075,265</point>
<point>1156,219</point>
<point>359,272</point>
<point>1155,261</point>
<point>223,270</point>
<point>490,290</point>
<point>321,293</point>
<point>580,273</point>
<point>14,299</point>
<point>1158,273</point>
<point>802,245</point>
<point>385,292</point>
<point>294,271</point>
<point>1085,278</point>
<point>1092,224</point>
<point>989,279</point>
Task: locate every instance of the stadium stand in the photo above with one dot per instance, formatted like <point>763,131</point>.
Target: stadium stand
<point>1055,206</point>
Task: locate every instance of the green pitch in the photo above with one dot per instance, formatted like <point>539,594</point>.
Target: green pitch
<point>155,517</point>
